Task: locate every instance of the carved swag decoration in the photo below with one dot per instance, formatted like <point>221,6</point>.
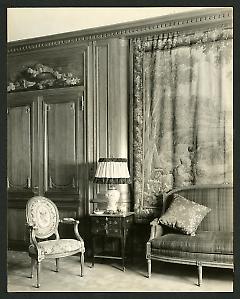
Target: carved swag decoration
<point>40,76</point>
<point>182,114</point>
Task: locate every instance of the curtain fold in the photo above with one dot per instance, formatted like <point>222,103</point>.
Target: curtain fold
<point>182,113</point>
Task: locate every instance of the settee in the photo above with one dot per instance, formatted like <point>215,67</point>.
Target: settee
<point>212,243</point>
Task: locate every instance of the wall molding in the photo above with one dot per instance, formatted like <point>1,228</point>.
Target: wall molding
<point>177,22</point>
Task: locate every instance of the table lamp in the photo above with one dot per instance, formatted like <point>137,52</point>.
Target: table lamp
<point>112,171</point>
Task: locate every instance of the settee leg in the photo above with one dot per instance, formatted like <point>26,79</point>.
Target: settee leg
<point>199,274</point>
<point>149,267</point>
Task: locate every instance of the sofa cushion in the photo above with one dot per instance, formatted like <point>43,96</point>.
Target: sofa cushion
<point>184,215</point>
<point>202,242</point>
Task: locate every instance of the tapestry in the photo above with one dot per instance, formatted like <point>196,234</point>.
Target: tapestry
<point>182,114</point>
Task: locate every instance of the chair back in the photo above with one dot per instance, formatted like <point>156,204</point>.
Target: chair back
<point>42,213</point>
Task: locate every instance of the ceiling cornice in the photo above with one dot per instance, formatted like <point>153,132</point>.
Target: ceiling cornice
<point>176,22</point>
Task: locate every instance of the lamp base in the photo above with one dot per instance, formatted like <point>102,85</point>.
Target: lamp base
<point>112,195</point>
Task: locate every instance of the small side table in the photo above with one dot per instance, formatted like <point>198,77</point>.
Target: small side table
<point>115,226</point>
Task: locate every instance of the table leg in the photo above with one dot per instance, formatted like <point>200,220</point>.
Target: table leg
<point>132,239</point>
<point>123,244</point>
<point>93,251</point>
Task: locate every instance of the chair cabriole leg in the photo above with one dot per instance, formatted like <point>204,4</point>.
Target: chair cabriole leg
<point>82,263</point>
<point>57,264</point>
<point>32,267</point>
<point>199,273</point>
<point>38,273</point>
<point>148,256</point>
<point>149,267</point>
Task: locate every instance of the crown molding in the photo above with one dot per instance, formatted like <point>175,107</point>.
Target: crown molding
<point>177,22</point>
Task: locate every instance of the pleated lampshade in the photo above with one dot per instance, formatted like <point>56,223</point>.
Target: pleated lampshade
<point>112,171</point>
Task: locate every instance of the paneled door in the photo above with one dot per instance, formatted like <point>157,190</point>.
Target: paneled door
<point>23,153</point>
<point>64,147</point>
<point>23,144</point>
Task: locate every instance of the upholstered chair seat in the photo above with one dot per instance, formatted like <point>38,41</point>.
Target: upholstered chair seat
<point>61,247</point>
<point>43,220</point>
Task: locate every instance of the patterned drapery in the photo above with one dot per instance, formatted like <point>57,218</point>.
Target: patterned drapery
<point>182,113</point>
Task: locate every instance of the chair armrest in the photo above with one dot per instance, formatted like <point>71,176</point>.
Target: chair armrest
<point>30,226</point>
<point>76,223</point>
<point>33,240</point>
<point>68,221</point>
<point>156,229</point>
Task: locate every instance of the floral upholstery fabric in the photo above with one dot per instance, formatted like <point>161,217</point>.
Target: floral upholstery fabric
<point>184,215</point>
<point>61,246</point>
<point>42,213</point>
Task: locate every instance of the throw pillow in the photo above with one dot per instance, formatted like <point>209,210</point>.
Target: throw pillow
<point>184,215</point>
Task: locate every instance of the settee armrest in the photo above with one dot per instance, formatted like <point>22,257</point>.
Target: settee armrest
<point>156,229</point>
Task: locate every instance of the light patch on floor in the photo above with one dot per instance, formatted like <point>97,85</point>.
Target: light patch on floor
<point>107,276</point>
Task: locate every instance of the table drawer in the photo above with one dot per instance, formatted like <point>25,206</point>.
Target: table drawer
<point>98,221</point>
<point>98,230</point>
<point>114,222</point>
<point>108,231</point>
<point>110,226</point>
<point>114,232</point>
<point>103,221</point>
<point>127,222</point>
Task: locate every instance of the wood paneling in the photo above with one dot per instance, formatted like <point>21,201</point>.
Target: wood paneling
<point>65,147</point>
<point>110,104</point>
<point>62,132</point>
<point>102,97</point>
<point>47,138</point>
<point>46,152</point>
<point>19,147</point>
<point>61,145</point>
<point>16,225</point>
<point>65,60</point>
<point>22,146</point>
<point>118,98</point>
<point>111,97</point>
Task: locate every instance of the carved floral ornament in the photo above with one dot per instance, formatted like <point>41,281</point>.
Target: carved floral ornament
<point>39,76</point>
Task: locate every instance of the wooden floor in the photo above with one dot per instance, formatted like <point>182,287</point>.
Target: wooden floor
<point>107,276</point>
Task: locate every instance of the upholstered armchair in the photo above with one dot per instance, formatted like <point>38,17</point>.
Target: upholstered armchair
<point>43,220</point>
